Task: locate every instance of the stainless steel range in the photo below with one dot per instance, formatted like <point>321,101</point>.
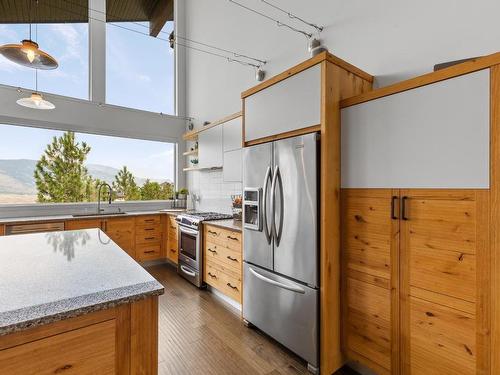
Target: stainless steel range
<point>190,243</point>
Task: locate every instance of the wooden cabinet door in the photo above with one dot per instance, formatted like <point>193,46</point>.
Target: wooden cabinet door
<point>83,224</point>
<point>370,242</point>
<point>122,232</point>
<point>444,271</point>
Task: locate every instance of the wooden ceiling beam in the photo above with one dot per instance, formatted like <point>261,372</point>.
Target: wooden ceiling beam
<point>162,12</point>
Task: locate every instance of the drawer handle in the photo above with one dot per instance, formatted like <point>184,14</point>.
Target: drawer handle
<point>212,251</point>
<point>231,258</point>
<point>232,287</point>
<point>212,275</point>
<point>404,209</point>
<point>63,368</point>
<point>149,252</point>
<point>172,227</point>
<point>233,238</point>
<point>149,238</point>
<point>149,229</point>
<point>212,232</point>
<point>149,220</point>
<point>173,250</point>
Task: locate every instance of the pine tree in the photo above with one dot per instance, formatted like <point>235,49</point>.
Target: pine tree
<point>151,191</point>
<point>60,174</point>
<point>125,186</point>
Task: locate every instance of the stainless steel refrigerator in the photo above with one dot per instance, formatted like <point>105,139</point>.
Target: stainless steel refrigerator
<point>280,243</point>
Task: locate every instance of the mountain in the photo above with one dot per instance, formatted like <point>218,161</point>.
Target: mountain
<point>16,176</point>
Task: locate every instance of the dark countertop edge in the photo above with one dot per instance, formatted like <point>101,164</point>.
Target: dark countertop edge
<point>56,316</point>
<point>221,224</point>
<point>49,219</point>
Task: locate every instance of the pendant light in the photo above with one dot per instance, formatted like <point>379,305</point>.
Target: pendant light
<point>28,54</point>
<point>36,100</point>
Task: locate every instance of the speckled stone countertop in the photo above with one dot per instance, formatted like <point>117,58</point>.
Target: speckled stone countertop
<point>32,219</point>
<point>225,224</point>
<point>46,277</point>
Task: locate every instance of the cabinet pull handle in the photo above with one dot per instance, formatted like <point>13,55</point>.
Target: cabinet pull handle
<point>149,238</point>
<point>149,220</point>
<point>173,250</point>
<point>393,208</point>
<point>172,227</point>
<point>232,287</point>
<point>233,238</point>
<point>149,252</point>
<point>212,232</point>
<point>212,251</point>
<point>403,209</point>
<point>212,275</point>
<point>231,258</point>
<point>149,229</point>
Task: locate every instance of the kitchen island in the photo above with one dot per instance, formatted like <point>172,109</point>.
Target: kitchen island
<point>74,302</point>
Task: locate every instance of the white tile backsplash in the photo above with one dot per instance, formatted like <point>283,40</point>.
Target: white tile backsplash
<point>214,193</point>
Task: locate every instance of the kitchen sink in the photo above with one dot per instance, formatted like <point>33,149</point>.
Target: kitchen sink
<point>99,214</point>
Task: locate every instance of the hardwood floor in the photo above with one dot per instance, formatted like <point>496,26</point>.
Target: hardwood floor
<point>200,334</point>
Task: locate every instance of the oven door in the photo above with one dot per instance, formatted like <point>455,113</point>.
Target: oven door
<point>189,247</point>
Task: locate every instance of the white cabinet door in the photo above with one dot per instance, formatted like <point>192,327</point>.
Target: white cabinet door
<point>232,134</point>
<point>233,166</point>
<point>210,148</point>
<point>291,104</point>
<point>435,136</point>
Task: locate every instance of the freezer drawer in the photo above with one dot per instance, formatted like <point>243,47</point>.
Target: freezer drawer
<point>283,309</point>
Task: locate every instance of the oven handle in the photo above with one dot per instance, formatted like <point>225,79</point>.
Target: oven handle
<point>188,231</point>
<point>187,272</point>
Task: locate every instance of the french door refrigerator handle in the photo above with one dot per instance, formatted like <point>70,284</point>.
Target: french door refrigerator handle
<point>282,206</point>
<point>291,288</point>
<point>273,204</point>
<point>267,177</point>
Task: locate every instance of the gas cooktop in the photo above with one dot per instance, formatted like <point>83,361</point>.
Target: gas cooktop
<point>193,218</point>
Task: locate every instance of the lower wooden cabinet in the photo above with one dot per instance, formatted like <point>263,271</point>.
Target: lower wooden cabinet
<point>122,232</point>
<point>2,230</point>
<point>416,280</point>
<point>148,237</point>
<point>172,243</point>
<point>222,261</point>
<point>84,224</point>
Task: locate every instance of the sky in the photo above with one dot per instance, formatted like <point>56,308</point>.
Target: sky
<point>139,74</point>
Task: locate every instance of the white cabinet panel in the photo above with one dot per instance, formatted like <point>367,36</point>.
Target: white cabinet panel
<point>435,136</point>
<point>233,166</point>
<point>232,134</point>
<point>210,148</point>
<point>291,104</point>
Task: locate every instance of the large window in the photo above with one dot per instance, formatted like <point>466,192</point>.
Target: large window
<point>139,68</point>
<point>39,166</point>
<point>67,43</point>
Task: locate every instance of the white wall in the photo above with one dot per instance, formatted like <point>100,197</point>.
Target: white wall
<point>391,39</point>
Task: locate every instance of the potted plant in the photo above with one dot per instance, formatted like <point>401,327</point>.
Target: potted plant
<point>182,193</point>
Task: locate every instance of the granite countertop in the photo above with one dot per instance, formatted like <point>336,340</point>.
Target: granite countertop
<point>226,224</point>
<point>32,219</point>
<point>46,277</point>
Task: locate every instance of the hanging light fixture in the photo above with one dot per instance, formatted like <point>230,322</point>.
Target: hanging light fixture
<point>36,100</point>
<point>28,54</point>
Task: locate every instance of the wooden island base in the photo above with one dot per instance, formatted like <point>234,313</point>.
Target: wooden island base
<point>120,340</point>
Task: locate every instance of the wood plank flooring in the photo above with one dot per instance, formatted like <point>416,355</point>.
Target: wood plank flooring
<point>200,334</point>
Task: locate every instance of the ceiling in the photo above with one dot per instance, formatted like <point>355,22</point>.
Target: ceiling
<point>72,11</point>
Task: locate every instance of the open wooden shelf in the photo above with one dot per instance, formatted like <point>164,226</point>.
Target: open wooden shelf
<point>193,134</point>
<point>190,153</point>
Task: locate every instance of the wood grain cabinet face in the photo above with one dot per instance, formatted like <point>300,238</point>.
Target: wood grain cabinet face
<point>370,245</point>
<point>148,237</point>
<point>2,230</point>
<point>172,243</point>
<point>83,224</point>
<point>122,232</point>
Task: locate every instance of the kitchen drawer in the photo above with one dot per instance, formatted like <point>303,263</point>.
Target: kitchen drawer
<point>148,252</point>
<point>153,238</point>
<point>223,278</point>
<point>212,276</point>
<point>227,238</point>
<point>148,230</point>
<point>224,255</point>
<point>231,286</point>
<point>147,220</point>
<point>85,351</point>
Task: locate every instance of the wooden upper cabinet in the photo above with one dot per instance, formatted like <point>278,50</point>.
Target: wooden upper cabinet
<point>210,148</point>
<point>434,136</point>
<point>370,243</point>
<point>291,104</point>
<point>445,273</point>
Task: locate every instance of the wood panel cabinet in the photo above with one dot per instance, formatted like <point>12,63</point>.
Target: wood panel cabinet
<point>2,230</point>
<point>172,244</point>
<point>84,224</point>
<point>148,237</point>
<point>122,232</point>
<point>416,264</point>
<point>222,260</point>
